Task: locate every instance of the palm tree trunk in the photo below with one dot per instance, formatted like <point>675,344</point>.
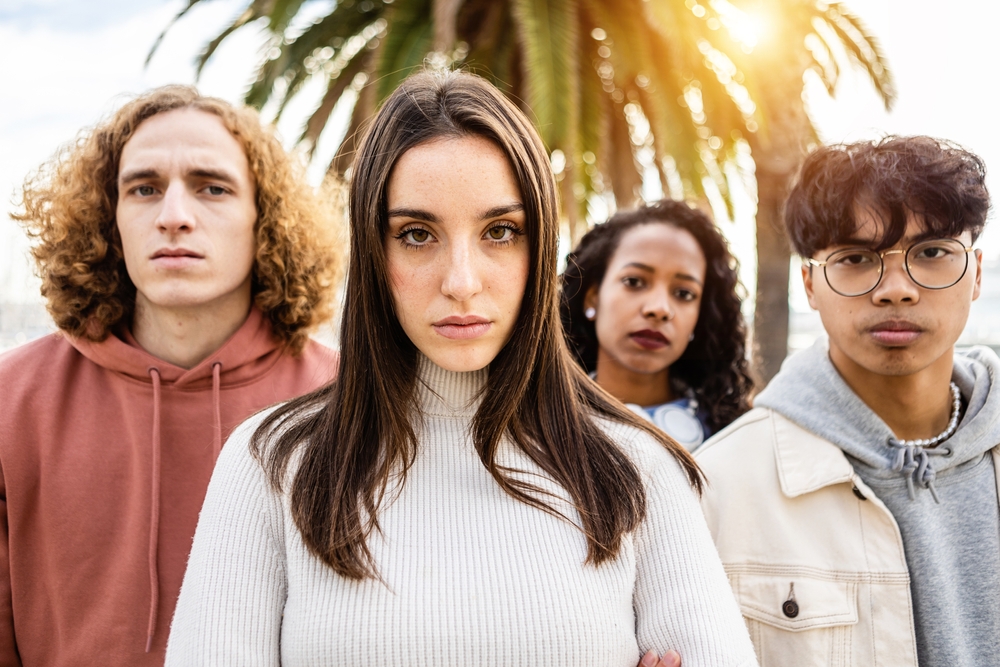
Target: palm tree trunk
<point>770,321</point>
<point>777,152</point>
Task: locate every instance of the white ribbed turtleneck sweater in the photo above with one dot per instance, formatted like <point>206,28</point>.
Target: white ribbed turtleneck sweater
<point>473,577</point>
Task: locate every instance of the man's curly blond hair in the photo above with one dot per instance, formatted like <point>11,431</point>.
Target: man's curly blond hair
<point>68,208</point>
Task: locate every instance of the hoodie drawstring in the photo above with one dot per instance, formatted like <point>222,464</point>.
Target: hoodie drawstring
<point>914,461</point>
<point>154,514</point>
<point>216,405</point>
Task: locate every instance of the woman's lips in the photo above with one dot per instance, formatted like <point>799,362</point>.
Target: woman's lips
<point>462,328</point>
<point>895,334</point>
<point>649,339</point>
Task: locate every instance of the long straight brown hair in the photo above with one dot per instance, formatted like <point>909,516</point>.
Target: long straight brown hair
<point>350,438</point>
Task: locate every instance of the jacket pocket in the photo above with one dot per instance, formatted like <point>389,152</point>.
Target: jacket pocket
<point>798,621</point>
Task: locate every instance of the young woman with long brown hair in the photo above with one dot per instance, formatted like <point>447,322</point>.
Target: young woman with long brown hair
<point>463,493</point>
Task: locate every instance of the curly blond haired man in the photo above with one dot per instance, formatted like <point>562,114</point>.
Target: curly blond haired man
<point>184,261</point>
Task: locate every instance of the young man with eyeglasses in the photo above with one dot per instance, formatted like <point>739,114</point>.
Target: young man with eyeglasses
<point>856,507</point>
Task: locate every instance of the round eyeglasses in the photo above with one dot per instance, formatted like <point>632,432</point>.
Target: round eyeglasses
<point>932,264</point>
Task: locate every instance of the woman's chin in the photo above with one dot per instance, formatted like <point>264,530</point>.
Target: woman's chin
<point>462,358</point>
<point>646,363</point>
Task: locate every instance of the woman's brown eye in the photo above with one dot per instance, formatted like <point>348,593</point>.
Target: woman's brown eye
<point>498,233</point>
<point>419,235</point>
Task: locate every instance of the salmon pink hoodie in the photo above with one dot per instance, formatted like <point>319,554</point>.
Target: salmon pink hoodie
<point>105,457</point>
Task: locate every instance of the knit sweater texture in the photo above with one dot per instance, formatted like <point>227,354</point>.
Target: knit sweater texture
<point>105,456</point>
<point>471,575</point>
<point>952,547</point>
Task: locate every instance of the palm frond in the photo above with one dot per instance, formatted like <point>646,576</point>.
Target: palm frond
<point>620,162</point>
<point>445,14</point>
<point>408,41</point>
<point>248,16</point>
<point>363,109</point>
<point>159,39</point>
<point>340,27</point>
<point>549,39</point>
<point>281,13</point>
<point>864,48</point>
<point>336,87</point>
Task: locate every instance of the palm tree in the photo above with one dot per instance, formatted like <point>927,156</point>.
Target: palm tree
<point>802,36</point>
<point>622,91</point>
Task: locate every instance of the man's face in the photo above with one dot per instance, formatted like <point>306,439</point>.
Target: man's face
<point>899,328</point>
<point>186,213</point>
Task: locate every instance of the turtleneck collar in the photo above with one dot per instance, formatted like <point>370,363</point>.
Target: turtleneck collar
<point>448,393</point>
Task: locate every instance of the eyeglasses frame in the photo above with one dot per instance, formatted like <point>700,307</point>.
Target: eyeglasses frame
<point>881,262</point>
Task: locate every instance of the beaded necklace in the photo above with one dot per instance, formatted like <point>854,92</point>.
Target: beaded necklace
<point>956,406</point>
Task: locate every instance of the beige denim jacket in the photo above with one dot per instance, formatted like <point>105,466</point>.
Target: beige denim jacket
<point>815,559</point>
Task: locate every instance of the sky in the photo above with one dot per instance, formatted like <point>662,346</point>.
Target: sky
<point>68,63</point>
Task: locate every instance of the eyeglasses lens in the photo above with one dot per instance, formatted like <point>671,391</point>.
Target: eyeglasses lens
<point>937,263</point>
<point>854,271</point>
<point>933,264</point>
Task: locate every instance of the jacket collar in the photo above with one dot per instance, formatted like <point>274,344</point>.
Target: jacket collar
<point>806,462</point>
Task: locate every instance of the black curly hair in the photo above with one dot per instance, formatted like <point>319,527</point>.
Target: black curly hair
<point>714,365</point>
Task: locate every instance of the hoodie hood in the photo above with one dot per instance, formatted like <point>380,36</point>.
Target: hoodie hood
<point>808,390</point>
<point>248,353</point>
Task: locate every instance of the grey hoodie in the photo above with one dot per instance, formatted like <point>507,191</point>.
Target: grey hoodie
<point>952,546</point>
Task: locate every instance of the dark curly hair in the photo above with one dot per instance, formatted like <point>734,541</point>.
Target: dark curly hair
<point>714,365</point>
<point>937,179</point>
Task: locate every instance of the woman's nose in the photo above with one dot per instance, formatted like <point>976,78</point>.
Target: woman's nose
<point>658,306</point>
<point>461,279</point>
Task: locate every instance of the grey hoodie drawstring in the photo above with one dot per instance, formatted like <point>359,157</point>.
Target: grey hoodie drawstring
<point>914,461</point>
<point>154,514</point>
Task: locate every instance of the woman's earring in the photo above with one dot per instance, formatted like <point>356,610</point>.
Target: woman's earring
<point>590,313</point>
<point>691,337</point>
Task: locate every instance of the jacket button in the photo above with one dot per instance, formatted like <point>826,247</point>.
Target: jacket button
<point>790,608</point>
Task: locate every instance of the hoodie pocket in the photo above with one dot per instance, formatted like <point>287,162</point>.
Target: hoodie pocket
<point>798,621</point>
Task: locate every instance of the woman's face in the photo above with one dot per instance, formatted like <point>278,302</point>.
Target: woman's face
<point>456,250</point>
<point>647,305</point>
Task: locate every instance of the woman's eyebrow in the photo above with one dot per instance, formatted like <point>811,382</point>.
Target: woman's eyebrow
<point>414,213</point>
<point>639,265</point>
<point>685,276</point>
<point>500,211</point>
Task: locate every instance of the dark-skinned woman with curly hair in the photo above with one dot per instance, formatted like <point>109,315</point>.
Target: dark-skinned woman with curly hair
<point>651,309</point>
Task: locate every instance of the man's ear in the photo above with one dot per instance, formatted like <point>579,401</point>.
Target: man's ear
<point>979,273</point>
<point>807,282</point>
<point>590,298</point>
